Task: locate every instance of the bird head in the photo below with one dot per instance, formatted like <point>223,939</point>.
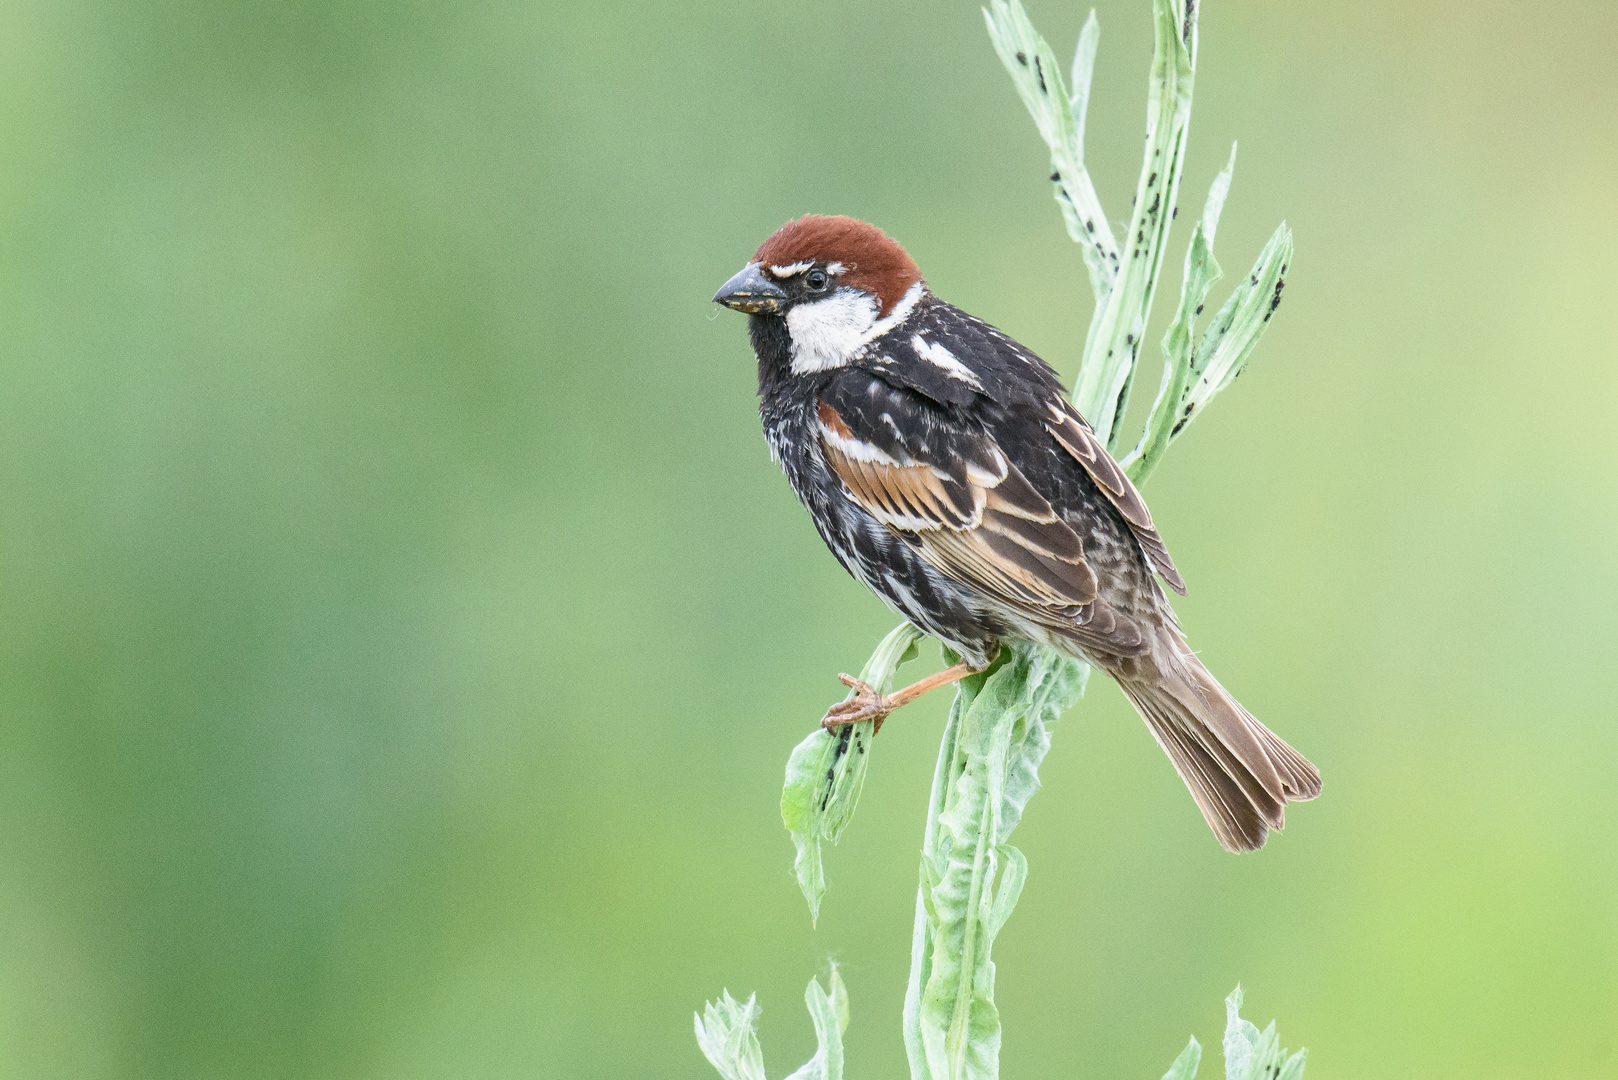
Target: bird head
<point>834,280</point>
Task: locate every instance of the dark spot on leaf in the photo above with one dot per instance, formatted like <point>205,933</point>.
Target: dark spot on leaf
<point>1022,58</point>
<point>1150,180</point>
<point>1055,176</point>
<point>1156,199</point>
<point>1199,309</point>
<point>1039,69</point>
<point>1090,226</point>
<point>1174,213</point>
<point>1175,430</point>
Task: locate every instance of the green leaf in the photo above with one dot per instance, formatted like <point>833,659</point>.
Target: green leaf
<point>826,772</point>
<point>1084,65</point>
<point>830,1015</point>
<point>1101,392</point>
<point>1251,1054</point>
<point>1185,1066</point>
<point>1201,271</point>
<point>726,1032</point>
<point>1009,891</point>
<point>1231,337</point>
<point>971,877</point>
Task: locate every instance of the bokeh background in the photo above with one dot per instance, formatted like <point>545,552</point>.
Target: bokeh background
<point>403,628</point>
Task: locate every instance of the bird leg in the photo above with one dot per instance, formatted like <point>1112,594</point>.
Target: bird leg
<point>867,704</point>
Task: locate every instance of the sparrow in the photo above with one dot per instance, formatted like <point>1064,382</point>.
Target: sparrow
<point>945,468</point>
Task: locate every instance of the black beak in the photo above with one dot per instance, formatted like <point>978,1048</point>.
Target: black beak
<point>752,292</point>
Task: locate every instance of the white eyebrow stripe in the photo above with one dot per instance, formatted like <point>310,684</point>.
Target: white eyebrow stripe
<point>835,268</point>
<point>790,271</point>
<point>939,356</point>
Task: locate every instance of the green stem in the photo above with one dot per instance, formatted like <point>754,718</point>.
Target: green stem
<point>998,729</point>
<point>997,733</point>
<point>1114,341</point>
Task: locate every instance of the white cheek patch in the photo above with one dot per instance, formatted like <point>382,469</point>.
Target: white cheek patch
<point>940,357</point>
<point>827,333</point>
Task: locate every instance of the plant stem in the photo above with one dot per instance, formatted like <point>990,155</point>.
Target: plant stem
<point>997,733</point>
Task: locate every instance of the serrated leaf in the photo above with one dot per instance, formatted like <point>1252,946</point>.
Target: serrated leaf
<point>988,769</point>
<point>1112,347</point>
<point>1251,1054</point>
<point>1201,272</point>
<point>829,1011</point>
<point>725,1033</point>
<point>1185,1066</point>
<point>826,772</point>
<point>1236,329</point>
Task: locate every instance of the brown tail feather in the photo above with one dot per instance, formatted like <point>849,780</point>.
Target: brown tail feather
<point>1240,773</point>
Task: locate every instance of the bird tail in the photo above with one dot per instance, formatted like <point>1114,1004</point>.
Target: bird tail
<point>1240,773</point>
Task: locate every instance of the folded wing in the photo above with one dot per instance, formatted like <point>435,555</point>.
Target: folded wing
<point>955,496</point>
<point>1079,440</point>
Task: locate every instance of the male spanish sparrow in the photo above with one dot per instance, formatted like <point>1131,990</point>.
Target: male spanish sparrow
<point>945,468</point>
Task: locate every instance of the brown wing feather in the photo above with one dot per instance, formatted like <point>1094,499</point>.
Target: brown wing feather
<point>1077,438</point>
<point>1010,542</point>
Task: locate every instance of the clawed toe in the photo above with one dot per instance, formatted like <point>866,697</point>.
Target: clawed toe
<point>866,704</point>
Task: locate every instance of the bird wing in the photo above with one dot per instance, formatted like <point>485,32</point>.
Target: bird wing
<point>952,357</point>
<point>1076,436</point>
<point>953,494</point>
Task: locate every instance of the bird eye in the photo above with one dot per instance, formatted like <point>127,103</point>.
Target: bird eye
<point>816,280</point>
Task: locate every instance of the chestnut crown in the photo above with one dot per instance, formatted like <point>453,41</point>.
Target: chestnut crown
<point>853,252</point>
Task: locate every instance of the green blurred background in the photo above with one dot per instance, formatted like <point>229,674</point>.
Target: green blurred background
<point>403,628</point>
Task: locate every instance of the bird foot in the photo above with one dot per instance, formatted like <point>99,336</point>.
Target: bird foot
<point>866,704</point>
